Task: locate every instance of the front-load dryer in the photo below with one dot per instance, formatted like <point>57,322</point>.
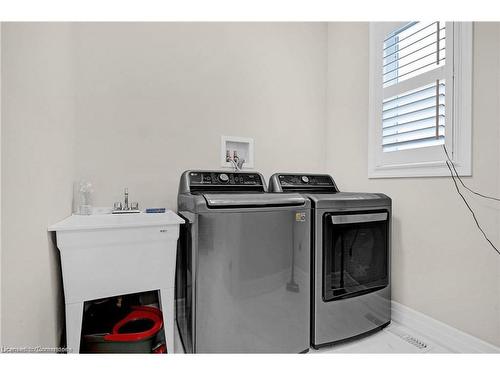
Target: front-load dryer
<point>350,257</point>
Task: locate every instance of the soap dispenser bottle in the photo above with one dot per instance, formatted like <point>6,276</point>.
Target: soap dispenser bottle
<point>83,197</point>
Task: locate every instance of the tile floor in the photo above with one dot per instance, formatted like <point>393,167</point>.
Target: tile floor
<point>395,338</point>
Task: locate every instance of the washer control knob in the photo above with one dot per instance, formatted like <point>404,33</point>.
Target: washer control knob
<point>223,177</point>
<point>305,179</point>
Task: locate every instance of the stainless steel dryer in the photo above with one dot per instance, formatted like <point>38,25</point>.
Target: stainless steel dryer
<point>350,264</point>
<point>243,271</point>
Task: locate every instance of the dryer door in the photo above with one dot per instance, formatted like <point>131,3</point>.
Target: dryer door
<point>355,253</point>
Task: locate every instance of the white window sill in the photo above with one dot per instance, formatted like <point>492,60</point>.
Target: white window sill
<point>429,169</point>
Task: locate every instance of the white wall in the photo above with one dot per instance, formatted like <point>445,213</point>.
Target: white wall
<point>151,100</point>
<point>441,265</point>
<point>37,172</point>
<point>154,99</point>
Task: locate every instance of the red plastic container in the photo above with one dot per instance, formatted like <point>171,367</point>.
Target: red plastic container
<point>136,333</point>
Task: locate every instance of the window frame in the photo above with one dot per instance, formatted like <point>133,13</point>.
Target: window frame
<point>426,161</point>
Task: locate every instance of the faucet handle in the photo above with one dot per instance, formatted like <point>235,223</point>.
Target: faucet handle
<point>125,203</point>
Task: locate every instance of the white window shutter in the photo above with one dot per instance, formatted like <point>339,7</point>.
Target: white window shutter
<point>419,98</point>
<point>414,86</point>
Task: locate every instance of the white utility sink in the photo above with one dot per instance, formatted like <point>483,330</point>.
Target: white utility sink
<point>106,221</point>
<point>111,255</point>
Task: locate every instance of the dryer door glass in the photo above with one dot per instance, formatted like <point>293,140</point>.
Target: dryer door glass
<point>355,253</point>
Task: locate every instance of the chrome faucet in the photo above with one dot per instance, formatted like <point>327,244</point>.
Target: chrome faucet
<point>125,206</point>
<point>118,208</point>
<point>236,162</point>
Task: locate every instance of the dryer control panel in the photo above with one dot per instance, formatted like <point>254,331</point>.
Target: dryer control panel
<point>280,182</point>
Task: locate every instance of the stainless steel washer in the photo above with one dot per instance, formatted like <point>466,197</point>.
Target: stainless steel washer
<point>351,291</point>
<point>243,266</point>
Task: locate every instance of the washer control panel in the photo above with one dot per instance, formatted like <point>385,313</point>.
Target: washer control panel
<point>215,179</point>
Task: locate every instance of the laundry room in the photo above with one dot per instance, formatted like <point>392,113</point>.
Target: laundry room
<point>235,187</point>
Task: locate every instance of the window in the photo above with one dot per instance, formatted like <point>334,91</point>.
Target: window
<point>420,98</point>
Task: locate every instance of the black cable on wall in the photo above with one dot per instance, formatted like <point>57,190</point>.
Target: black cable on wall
<point>453,172</point>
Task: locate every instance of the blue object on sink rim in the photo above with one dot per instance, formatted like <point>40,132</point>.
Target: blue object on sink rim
<point>155,210</point>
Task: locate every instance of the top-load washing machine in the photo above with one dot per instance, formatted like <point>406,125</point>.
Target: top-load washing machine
<point>350,264</point>
<point>243,271</point>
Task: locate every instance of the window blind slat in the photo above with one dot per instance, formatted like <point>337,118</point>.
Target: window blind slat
<point>411,106</point>
<point>413,50</point>
<point>416,113</point>
<point>413,116</point>
<point>433,139</point>
<point>407,126</point>
<point>413,135</point>
<point>409,96</point>
<point>406,27</point>
<point>431,44</point>
<point>414,61</point>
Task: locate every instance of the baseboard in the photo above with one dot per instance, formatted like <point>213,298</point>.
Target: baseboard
<point>443,334</point>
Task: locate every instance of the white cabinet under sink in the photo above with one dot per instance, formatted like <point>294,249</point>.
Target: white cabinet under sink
<point>111,255</point>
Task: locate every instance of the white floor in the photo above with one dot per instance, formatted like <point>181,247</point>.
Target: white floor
<point>395,338</point>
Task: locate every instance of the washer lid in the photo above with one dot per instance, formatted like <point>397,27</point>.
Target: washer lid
<point>253,200</point>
